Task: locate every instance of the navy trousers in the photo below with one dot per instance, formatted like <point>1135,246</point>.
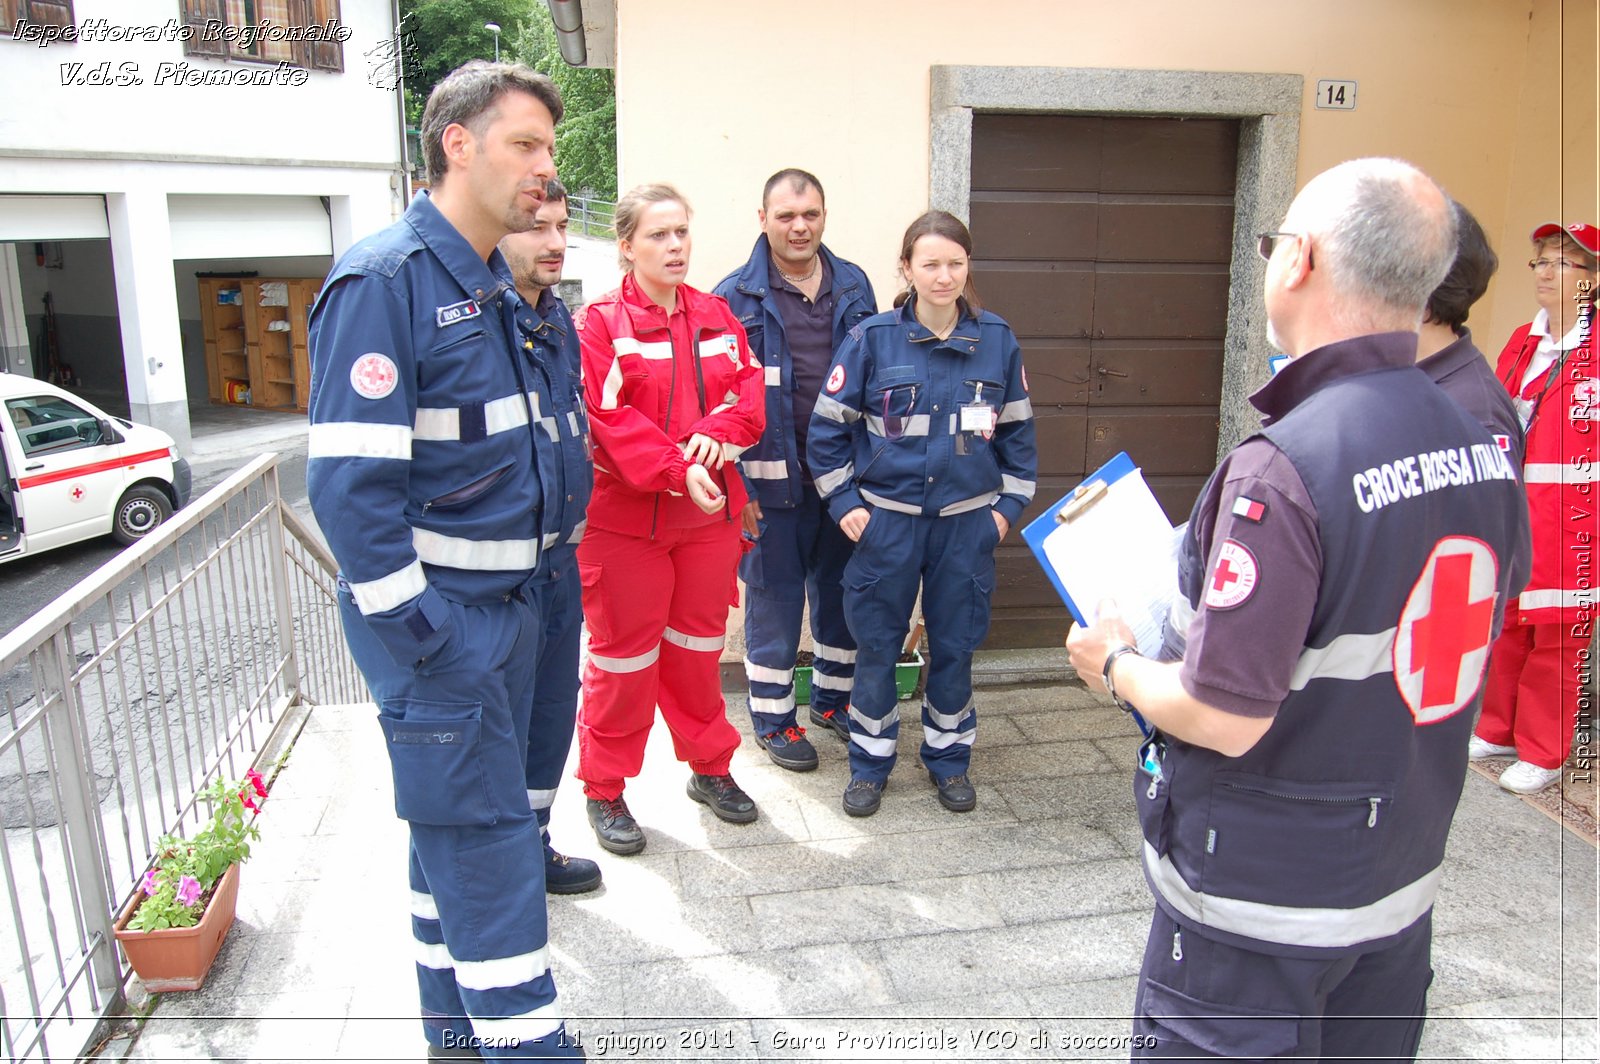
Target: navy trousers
<point>555,690</point>
<point>798,560</point>
<point>1201,999</point>
<point>456,729</point>
<point>952,560</point>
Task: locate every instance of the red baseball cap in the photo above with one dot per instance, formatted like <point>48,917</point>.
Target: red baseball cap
<point>1587,236</point>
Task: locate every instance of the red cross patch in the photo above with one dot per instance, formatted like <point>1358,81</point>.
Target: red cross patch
<point>1233,579</point>
<point>836,379</point>
<point>1442,641</point>
<point>77,492</point>
<point>374,375</point>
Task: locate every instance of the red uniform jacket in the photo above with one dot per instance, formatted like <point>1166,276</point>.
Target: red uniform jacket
<point>650,382</point>
<point>1560,474</point>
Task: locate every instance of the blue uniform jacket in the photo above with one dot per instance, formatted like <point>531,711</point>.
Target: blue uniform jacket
<point>887,429</point>
<point>433,428</point>
<point>772,466</point>
<point>568,479</point>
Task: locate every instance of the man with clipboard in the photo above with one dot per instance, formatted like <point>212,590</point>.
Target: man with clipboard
<point>1349,566</point>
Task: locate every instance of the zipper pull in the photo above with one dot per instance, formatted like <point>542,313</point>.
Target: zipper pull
<point>1211,841</point>
<point>978,398</point>
<point>1372,818</point>
<point>1177,945</point>
<point>1154,786</point>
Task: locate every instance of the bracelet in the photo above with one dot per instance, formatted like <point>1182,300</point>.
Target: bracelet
<point>1105,674</point>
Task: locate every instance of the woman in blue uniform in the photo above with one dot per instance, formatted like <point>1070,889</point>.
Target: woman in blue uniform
<point>922,445</point>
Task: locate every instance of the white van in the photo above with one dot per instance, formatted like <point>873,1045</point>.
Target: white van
<point>72,472</point>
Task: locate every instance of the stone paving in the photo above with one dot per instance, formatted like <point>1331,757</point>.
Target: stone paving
<point>954,937</point>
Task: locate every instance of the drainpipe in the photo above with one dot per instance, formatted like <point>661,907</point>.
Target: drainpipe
<point>400,107</point>
<point>568,17</point>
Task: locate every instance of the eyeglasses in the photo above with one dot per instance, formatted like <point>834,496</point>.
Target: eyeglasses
<point>1266,243</point>
<point>898,404</point>
<point>1557,265</point>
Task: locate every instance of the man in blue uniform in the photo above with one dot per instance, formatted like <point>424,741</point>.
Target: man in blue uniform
<point>796,301</point>
<point>535,258</point>
<point>429,458</point>
<point>1349,566</point>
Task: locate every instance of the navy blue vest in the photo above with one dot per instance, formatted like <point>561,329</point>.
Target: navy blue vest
<point>1329,833</point>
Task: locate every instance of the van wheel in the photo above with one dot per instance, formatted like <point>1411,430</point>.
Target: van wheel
<point>139,511</point>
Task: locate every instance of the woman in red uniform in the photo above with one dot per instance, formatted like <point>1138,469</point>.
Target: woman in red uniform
<point>673,396</point>
<point>1538,664</point>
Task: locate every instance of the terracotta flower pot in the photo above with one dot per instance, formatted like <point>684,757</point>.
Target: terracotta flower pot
<point>178,958</point>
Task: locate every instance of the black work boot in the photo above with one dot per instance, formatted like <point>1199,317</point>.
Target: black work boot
<point>569,875</point>
<point>724,797</point>
<point>862,797</point>
<point>835,720</point>
<point>955,792</point>
<point>790,749</point>
<point>614,826</point>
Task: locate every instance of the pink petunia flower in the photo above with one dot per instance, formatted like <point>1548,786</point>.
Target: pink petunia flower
<point>249,801</point>
<point>254,779</point>
<point>188,890</point>
<point>150,884</point>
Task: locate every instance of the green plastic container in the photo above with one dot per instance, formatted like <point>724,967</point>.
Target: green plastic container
<point>907,675</point>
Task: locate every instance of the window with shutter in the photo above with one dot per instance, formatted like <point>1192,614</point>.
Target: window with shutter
<point>241,17</point>
<point>35,12</point>
<point>198,15</point>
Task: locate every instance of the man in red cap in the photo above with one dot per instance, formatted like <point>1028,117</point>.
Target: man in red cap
<point>1540,662</point>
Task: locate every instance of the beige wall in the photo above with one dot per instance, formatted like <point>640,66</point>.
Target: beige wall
<point>718,101</point>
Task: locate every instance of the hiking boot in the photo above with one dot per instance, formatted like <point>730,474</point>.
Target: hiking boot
<point>955,792</point>
<point>724,797</point>
<point>862,797</point>
<point>790,749</point>
<point>835,720</point>
<point>614,826</point>
<point>569,875</point>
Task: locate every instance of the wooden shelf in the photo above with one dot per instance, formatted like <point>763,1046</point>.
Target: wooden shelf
<point>241,346</point>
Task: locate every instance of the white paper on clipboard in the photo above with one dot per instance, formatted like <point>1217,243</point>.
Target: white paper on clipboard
<point>1117,544</point>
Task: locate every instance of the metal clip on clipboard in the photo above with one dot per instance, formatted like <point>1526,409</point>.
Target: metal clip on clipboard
<point>1083,497</point>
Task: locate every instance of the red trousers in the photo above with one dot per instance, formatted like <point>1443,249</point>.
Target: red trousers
<point>657,611</point>
<point>1530,697</point>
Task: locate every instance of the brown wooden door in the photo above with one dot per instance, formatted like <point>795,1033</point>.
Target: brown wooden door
<point>1105,242</point>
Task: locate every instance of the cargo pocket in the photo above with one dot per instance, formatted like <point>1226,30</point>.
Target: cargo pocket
<point>1270,840</point>
<point>436,760</point>
<point>595,617</point>
<point>982,596</point>
<point>1221,1029</point>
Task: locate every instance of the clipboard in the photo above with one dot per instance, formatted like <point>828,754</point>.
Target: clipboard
<point>1109,538</point>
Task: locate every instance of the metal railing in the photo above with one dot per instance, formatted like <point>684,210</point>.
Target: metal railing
<point>167,668</point>
<point>591,217</point>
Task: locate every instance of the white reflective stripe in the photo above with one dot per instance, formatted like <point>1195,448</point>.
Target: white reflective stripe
<point>509,412</point>
<point>503,971</point>
<point>577,532</point>
<point>874,747</point>
<point>774,376</point>
<point>1292,925</point>
<point>659,351</point>
<point>915,425</point>
<point>704,644</point>
<point>612,387</point>
<point>387,592</point>
<point>1560,473</point>
<point>550,540</point>
<point>541,799</point>
<point>777,707</point>
<point>437,423</point>
<point>718,348</point>
<point>1349,657</point>
<point>526,1027</point>
<point>356,439</point>
<point>962,506</point>
<point>762,674</point>
<point>830,683</point>
<point>941,740</point>
<point>765,470</point>
<point>731,453</point>
<point>422,906</point>
<point>1021,410</point>
<point>872,726</point>
<point>839,654</point>
<point>1550,598</point>
<point>1010,485</point>
<point>481,554</point>
<point>833,410</point>
<point>434,955</point>
<point>947,721</point>
<point>952,429</point>
<point>572,422</point>
<point>889,504</point>
<point>551,428</point>
<point>634,664</point>
<point>831,481</point>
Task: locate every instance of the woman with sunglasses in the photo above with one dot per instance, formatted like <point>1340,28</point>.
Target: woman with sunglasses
<point>922,446</point>
<point>1537,666</point>
<point>673,396</point>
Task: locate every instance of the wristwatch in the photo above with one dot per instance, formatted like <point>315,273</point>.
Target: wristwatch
<point>1105,674</point>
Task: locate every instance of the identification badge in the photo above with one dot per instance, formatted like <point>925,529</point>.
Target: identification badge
<point>978,417</point>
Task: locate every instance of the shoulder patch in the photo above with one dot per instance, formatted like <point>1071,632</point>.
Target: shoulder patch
<point>374,376</point>
<point>457,312</point>
<point>1233,579</point>
<point>835,379</point>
